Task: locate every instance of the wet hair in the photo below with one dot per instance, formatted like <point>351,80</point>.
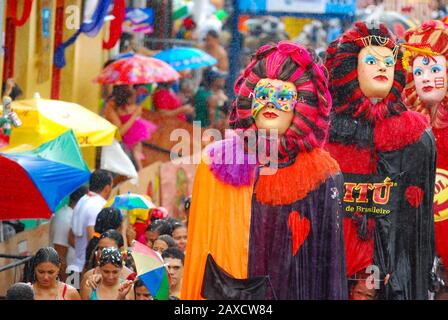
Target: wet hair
<point>20,291</point>
<point>138,283</point>
<point>178,225</point>
<point>167,239</point>
<point>107,219</point>
<point>174,253</point>
<point>99,180</point>
<point>125,41</point>
<point>112,256</point>
<point>78,194</point>
<point>290,62</point>
<point>161,226</point>
<point>164,85</point>
<point>431,35</point>
<point>46,254</point>
<point>15,92</point>
<point>121,94</point>
<point>90,251</point>
<point>210,75</point>
<point>213,33</point>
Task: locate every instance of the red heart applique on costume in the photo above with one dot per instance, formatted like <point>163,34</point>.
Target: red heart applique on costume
<point>414,195</point>
<point>300,228</point>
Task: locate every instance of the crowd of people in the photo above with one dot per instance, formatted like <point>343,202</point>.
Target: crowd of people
<point>91,250</point>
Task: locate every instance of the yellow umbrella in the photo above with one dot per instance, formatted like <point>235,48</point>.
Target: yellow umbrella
<point>43,120</point>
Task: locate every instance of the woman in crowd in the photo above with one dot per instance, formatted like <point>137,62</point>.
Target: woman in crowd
<point>107,219</point>
<point>122,111</point>
<point>163,242</point>
<point>45,283</point>
<point>210,99</point>
<point>109,239</point>
<point>110,285</point>
<point>157,228</point>
<point>141,292</point>
<point>179,235</point>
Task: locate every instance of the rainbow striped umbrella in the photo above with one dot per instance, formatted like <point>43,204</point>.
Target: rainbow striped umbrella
<point>131,201</point>
<point>151,270</point>
<point>35,181</point>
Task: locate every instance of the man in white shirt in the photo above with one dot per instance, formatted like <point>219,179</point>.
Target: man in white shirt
<point>59,231</point>
<point>85,213</point>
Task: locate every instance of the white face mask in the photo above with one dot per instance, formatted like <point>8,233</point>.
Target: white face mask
<point>430,79</point>
<point>376,70</point>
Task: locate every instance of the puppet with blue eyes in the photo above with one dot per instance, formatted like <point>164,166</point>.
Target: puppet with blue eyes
<point>387,156</point>
<point>426,92</point>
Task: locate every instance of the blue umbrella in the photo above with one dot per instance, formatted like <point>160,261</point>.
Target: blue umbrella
<point>186,58</point>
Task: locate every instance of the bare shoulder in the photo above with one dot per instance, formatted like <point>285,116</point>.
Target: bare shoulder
<point>87,274</point>
<point>72,293</point>
<point>222,51</point>
<point>212,100</point>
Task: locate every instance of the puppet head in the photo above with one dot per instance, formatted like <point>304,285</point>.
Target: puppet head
<point>425,59</point>
<point>284,88</point>
<point>366,72</point>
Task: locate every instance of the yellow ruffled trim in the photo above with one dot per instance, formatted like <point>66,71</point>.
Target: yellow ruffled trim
<point>410,50</point>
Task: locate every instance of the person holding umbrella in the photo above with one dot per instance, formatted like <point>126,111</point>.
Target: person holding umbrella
<point>110,286</point>
<point>122,111</point>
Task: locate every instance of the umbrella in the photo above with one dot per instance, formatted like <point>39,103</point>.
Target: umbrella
<point>43,120</point>
<point>137,69</point>
<point>151,270</point>
<point>114,159</point>
<point>131,201</point>
<point>186,58</point>
<point>36,181</point>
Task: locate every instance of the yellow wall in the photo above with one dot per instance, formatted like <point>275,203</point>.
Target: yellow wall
<point>84,59</point>
<point>25,64</point>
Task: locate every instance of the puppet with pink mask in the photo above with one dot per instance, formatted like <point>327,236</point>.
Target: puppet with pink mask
<point>425,59</point>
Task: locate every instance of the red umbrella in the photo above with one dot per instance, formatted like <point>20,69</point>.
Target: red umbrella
<point>137,69</point>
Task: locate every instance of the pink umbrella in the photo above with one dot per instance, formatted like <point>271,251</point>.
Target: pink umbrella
<point>137,69</point>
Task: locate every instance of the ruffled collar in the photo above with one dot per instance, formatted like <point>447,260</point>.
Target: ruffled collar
<point>365,109</point>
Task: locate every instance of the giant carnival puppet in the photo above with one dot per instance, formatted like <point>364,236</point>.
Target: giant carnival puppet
<point>258,231</point>
<point>387,155</point>
<point>425,60</point>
